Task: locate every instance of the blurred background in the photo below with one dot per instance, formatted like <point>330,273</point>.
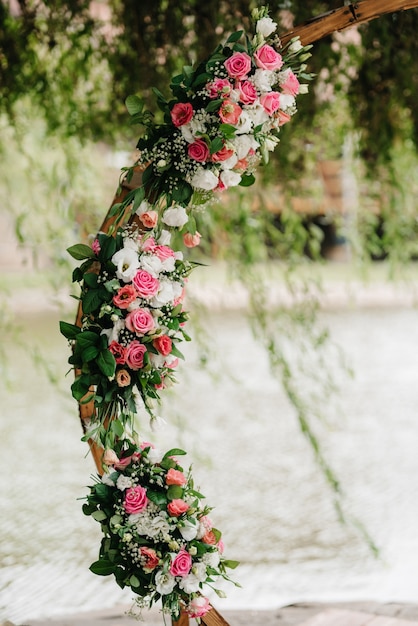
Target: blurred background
<point>297,400</point>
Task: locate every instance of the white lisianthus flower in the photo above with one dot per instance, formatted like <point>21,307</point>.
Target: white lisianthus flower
<point>263,80</point>
<point>230,178</point>
<point>265,26</point>
<point>169,264</point>
<point>271,143</point>
<point>165,238</point>
<point>164,583</point>
<point>165,294</point>
<point>175,216</point>
<point>178,255</point>
<point>244,124</point>
<point>190,583</point>
<point>113,333</point>
<point>243,144</point>
<point>155,456</point>
<point>158,526</point>
<point>204,179</point>
<point>123,482</point>
<point>188,531</point>
<point>211,558</point>
<point>303,88</point>
<point>106,480</point>
<point>127,263</point>
<point>258,114</point>
<point>157,360</point>
<point>187,133</point>
<point>295,46</point>
<point>287,101</point>
<point>152,264</point>
<point>230,163</point>
<point>199,570</point>
<point>143,207</point>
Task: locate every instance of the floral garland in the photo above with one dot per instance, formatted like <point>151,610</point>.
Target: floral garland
<point>158,539</point>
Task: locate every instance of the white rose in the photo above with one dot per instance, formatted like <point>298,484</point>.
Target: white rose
<point>165,238</point>
<point>175,217</point>
<point>165,294</point>
<point>265,26</point>
<point>127,263</point>
<point>211,558</point>
<point>190,584</point>
<point>263,80</point>
<point>204,179</point>
<point>155,456</point>
<point>230,163</point>
<point>143,207</point>
<point>257,114</point>
<point>169,264</point>
<point>123,482</point>
<point>230,178</point>
<point>287,101</point>
<point>152,264</point>
<point>243,144</point>
<point>165,583</point>
<point>188,531</point>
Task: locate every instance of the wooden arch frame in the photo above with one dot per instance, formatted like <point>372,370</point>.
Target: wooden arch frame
<point>351,14</point>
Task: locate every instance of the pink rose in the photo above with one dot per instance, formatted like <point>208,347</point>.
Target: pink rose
<point>267,58</point>
<point>191,241</point>
<point>209,538</point>
<point>123,378</point>
<point>124,297</point>
<point>145,284</point>
<point>182,564</point>
<point>173,364</point>
<point>222,155</point>
<point>291,85</point>
<point>198,150</point>
<point>270,102</point>
<point>283,117</point>
<point>238,65</point>
<point>149,559</point>
<point>140,321</point>
<point>149,218</point>
<point>181,113</point>
<point>177,507</point>
<point>135,355</point>
<point>230,112</point>
<point>198,607</point>
<point>118,351</point>
<point>148,244</point>
<point>124,462</point>
<point>219,88</point>
<point>110,457</point>
<point>247,92</point>
<point>175,477</point>
<point>135,499</point>
<point>164,252</point>
<point>163,344</point>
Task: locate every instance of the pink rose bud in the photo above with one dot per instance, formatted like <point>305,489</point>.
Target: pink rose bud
<point>191,241</point>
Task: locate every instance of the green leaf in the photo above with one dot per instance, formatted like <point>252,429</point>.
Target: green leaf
<point>92,301</point>
<point>174,452</point>
<point>80,387</point>
<point>90,279</point>
<point>233,37</point>
<point>133,581</point>
<point>134,104</point>
<point>106,363</point>
<point>216,144</point>
<point>80,251</point>
<point>87,338</point>
<point>174,492</point>
<point>157,498</point>
<point>230,564</point>
<point>99,516</point>
<point>247,180</point>
<point>70,331</point>
<point>214,105</point>
<point>117,427</point>
<point>102,567</point>
<point>89,353</point>
<point>227,130</point>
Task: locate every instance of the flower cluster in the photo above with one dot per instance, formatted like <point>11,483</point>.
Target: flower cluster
<point>158,538</point>
<point>225,116</point>
<point>133,319</point>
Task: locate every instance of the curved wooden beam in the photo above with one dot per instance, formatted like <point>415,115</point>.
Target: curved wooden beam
<point>352,14</point>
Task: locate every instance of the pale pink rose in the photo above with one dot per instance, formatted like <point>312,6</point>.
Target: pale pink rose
<point>149,559</point>
<point>135,499</point>
<point>182,564</point>
<point>198,151</point>
<point>148,244</point>
<point>198,607</point>
<point>230,112</point>
<point>209,538</point>
<point>291,85</point>
<point>135,355</point>
<point>110,457</point>
<point>95,246</point>
<point>221,546</point>
<point>164,252</point>
<point>181,113</point>
<point>175,477</point>
<point>270,102</point>
<point>191,241</point>
<point>247,92</point>
<point>267,58</point>
<point>145,284</point>
<point>177,507</point>
<point>172,364</point>
<point>124,297</point>
<point>163,344</point>
<point>283,117</point>
<point>222,155</point>
<point>241,165</point>
<point>219,88</point>
<point>123,378</point>
<point>238,65</point>
<point>118,351</point>
<point>140,321</point>
<point>124,462</point>
<point>149,218</point>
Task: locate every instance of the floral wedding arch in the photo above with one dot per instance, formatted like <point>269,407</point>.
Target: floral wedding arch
<point>224,118</point>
